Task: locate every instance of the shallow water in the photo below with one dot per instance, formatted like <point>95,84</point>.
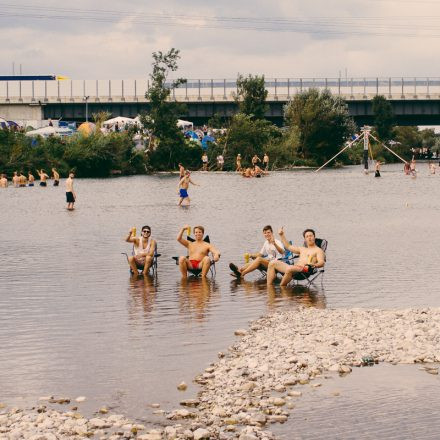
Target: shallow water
<point>74,323</point>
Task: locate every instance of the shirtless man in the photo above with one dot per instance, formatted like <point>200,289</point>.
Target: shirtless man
<point>197,252</point>
<point>412,167</point>
<point>272,249</point>
<point>266,162</point>
<point>183,187</point>
<point>205,162</point>
<point>31,179</point>
<point>3,181</point>
<point>43,177</point>
<point>310,257</point>
<point>22,180</point>
<point>377,168</point>
<point>70,193</point>
<point>238,163</point>
<point>55,177</point>
<point>16,180</point>
<point>255,159</point>
<point>144,248</point>
<point>247,172</point>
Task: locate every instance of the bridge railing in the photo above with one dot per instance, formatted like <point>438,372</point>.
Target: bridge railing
<point>133,90</point>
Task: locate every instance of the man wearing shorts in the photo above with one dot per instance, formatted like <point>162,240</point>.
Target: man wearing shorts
<point>43,177</point>
<point>182,189</point>
<point>144,248</point>
<point>3,181</point>
<point>310,257</point>
<point>272,249</point>
<point>56,177</point>
<point>198,251</point>
<point>70,193</point>
<point>31,179</point>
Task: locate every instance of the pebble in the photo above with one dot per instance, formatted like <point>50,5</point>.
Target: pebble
<point>201,434</point>
<point>182,386</point>
<point>240,332</point>
<point>80,399</point>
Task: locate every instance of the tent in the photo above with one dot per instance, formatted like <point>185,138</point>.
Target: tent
<point>4,123</point>
<point>120,120</point>
<point>185,125</point>
<point>86,128</point>
<point>205,141</point>
<point>50,131</point>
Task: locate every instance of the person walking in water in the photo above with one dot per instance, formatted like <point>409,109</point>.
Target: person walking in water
<point>31,179</point>
<point>55,177</point>
<point>377,168</point>
<point>70,193</point>
<point>412,167</point>
<point>183,187</point>
<point>16,180</point>
<point>43,177</point>
<point>266,162</point>
<point>3,181</point>
<point>181,170</point>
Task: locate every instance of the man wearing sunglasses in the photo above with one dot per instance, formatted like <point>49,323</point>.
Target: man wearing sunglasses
<point>144,247</point>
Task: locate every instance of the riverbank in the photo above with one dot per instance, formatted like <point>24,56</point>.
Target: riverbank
<point>258,380</point>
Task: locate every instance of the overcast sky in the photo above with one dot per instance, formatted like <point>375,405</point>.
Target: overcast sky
<point>282,38</point>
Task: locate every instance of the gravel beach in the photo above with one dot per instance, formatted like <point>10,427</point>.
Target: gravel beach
<point>257,381</point>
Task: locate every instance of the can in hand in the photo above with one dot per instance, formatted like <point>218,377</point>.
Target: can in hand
<point>133,231</point>
<point>246,257</point>
<point>188,230</point>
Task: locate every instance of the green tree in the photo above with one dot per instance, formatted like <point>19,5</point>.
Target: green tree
<point>162,118</point>
<point>251,96</point>
<point>383,118</point>
<point>321,121</point>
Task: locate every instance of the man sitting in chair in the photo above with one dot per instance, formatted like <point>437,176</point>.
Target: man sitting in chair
<point>144,248</point>
<point>198,252</point>
<point>310,257</point>
<point>271,250</point>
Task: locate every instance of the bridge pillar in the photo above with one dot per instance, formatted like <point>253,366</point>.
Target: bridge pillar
<point>21,112</point>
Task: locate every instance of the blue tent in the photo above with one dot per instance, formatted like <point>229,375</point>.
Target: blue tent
<point>191,135</point>
<point>205,141</point>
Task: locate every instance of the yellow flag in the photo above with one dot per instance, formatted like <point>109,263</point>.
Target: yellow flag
<point>62,78</point>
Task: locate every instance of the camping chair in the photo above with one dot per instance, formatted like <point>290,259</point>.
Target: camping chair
<point>288,258</point>
<point>197,272</point>
<point>311,276</point>
<point>153,267</point>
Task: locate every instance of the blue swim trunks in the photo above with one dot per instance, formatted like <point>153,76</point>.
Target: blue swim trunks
<point>183,193</point>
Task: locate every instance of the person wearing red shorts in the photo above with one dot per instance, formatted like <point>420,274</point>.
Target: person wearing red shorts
<point>310,257</point>
<point>198,252</point>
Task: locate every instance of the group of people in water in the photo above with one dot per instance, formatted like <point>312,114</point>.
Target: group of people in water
<point>201,254</point>
<point>19,180</point>
<point>255,170</point>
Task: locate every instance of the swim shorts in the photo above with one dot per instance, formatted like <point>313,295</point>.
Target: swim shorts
<point>183,193</point>
<point>195,263</point>
<point>140,261</point>
<point>377,174</point>
<point>56,182</point>
<point>30,184</point>
<point>43,184</point>
<point>307,269</point>
<point>69,197</point>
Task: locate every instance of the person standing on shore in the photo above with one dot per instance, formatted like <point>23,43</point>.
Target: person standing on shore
<point>3,181</point>
<point>181,170</point>
<point>15,180</point>
<point>266,162</point>
<point>205,161</point>
<point>43,177</point>
<point>55,177</point>
<point>238,163</point>
<point>255,159</point>
<point>70,193</point>
<point>220,162</point>
<point>31,179</point>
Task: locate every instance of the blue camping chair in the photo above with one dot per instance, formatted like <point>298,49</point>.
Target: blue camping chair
<point>153,267</point>
<point>197,272</point>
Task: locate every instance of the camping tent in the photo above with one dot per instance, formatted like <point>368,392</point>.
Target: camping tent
<point>50,131</point>
<point>185,125</point>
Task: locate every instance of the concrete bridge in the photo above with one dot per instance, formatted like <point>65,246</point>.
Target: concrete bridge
<point>415,101</point>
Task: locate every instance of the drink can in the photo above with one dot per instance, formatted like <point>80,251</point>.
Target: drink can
<point>246,257</point>
<point>188,230</point>
<point>133,231</point>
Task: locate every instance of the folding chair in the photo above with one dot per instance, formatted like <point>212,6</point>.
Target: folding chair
<point>197,272</point>
<point>153,267</point>
<point>311,276</point>
<point>287,258</point>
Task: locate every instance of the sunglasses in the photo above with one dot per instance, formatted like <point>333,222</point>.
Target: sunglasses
<point>146,230</point>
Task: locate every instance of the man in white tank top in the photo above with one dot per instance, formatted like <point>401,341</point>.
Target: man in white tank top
<point>144,248</point>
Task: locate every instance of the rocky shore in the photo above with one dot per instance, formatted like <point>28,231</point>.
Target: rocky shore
<point>259,379</point>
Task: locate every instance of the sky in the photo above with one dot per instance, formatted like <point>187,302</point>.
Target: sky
<point>219,39</point>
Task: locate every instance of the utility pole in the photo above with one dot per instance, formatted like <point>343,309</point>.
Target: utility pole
<point>366,131</point>
<point>86,99</point>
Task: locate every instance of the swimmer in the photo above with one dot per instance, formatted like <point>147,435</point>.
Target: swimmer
<point>198,251</point>
<point>144,248</point>
<point>272,249</point>
<point>310,257</point>
<point>182,188</point>
<point>31,179</point>
<point>16,180</point>
<point>43,177</point>
<point>70,193</point>
<point>55,177</point>
<point>412,167</point>
<point>3,181</point>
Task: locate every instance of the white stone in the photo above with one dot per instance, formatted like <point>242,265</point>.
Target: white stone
<point>201,434</point>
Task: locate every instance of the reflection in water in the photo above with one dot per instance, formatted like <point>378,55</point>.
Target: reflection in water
<point>311,296</point>
<point>194,296</point>
<point>142,291</point>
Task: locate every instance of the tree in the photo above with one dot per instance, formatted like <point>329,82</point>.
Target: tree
<point>162,118</point>
<point>383,118</point>
<point>251,96</point>
<point>321,121</point>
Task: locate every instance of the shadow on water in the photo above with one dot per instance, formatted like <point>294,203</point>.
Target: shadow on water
<point>142,296</point>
